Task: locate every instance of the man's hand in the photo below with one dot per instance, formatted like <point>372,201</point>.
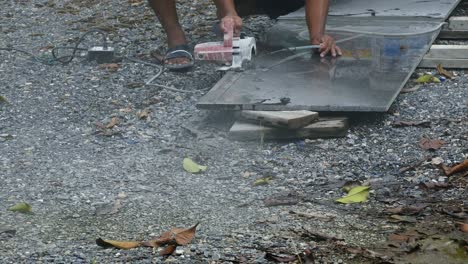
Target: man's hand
<point>327,45</point>
<point>237,24</point>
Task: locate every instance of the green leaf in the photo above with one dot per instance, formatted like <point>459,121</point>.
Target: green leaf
<point>21,208</point>
<point>427,78</point>
<point>3,99</point>
<point>263,181</point>
<point>358,194</point>
<point>192,167</point>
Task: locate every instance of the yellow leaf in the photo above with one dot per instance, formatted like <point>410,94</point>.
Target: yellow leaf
<point>357,194</point>
<point>21,208</point>
<point>192,167</point>
<point>3,99</point>
<point>427,78</point>
<point>263,181</point>
<point>117,244</point>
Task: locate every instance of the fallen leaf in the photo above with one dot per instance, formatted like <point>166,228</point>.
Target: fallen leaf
<point>263,181</point>
<point>112,67</point>
<point>117,244</point>
<point>444,72</point>
<point>400,123</point>
<point>192,167</point>
<point>414,165</point>
<point>144,114</point>
<point>114,122</point>
<point>357,194</point>
<point>136,3</point>
<point>3,99</point>
<point>175,237</point>
<point>280,258</point>
<point>434,185</point>
<point>431,144</point>
<point>407,210</point>
<point>402,218</point>
<point>463,227</point>
<point>185,236</point>
<point>437,161</point>
<point>456,169</point>
<point>282,199</point>
<point>347,186</point>
<point>317,236</point>
<point>427,78</point>
<point>21,208</point>
<point>168,250</point>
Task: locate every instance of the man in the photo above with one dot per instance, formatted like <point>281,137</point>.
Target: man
<point>179,56</point>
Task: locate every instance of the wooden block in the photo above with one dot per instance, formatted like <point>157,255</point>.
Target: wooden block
<point>450,56</point>
<point>446,63</point>
<point>324,128</point>
<point>453,34</point>
<point>284,119</point>
<point>448,52</point>
<point>458,23</point>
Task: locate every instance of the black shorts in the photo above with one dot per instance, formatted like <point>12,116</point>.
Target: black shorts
<point>272,8</point>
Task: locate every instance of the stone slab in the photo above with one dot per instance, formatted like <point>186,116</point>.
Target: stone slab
<point>284,119</point>
<point>427,9</point>
<point>380,54</point>
<point>324,128</point>
<point>368,77</point>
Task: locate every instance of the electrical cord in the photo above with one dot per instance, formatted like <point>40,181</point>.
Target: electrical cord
<point>34,57</point>
<point>63,59</point>
<point>68,58</point>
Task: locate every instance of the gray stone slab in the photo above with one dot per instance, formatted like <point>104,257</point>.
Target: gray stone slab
<point>384,51</point>
<point>416,9</point>
<point>368,77</point>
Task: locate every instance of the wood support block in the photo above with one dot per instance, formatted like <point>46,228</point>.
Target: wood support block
<point>283,119</point>
<point>457,28</point>
<point>324,128</point>
<point>450,56</point>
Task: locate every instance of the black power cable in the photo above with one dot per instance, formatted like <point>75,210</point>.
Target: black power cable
<point>63,59</point>
<point>68,58</point>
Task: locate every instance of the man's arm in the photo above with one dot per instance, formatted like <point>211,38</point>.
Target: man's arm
<point>316,17</point>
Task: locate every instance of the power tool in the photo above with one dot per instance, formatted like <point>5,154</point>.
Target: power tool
<point>232,51</point>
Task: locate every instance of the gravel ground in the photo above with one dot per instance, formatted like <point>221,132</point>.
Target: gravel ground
<point>54,156</point>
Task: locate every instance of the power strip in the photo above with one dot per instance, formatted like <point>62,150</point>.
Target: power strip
<point>101,54</point>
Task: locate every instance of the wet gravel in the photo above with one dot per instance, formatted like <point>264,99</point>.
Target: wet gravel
<point>53,156</point>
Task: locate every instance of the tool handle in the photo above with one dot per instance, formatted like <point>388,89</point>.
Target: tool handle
<point>229,32</point>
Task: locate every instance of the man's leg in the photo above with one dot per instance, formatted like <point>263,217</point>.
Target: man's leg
<point>167,14</point>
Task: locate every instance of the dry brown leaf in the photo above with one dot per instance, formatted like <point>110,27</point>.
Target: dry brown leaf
<point>114,121</point>
<point>463,227</point>
<point>176,236</point>
<point>431,144</point>
<point>434,185</point>
<point>407,210</point>
<point>444,72</point>
<point>112,67</point>
<point>456,169</point>
<point>401,123</point>
<point>184,237</point>
<point>117,244</point>
<point>168,250</point>
<point>144,114</point>
<point>281,259</point>
<point>136,2</point>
